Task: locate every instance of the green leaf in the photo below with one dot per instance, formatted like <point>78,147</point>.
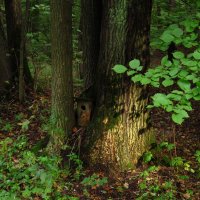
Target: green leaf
<point>131,72</point>
<point>178,55</point>
<point>197,98</point>
<point>174,71</point>
<point>177,32</point>
<point>196,55</point>
<point>168,82</point>
<point>184,84</point>
<point>181,112</point>
<point>164,61</point>
<point>167,37</point>
<point>134,64</point>
<point>137,78</point>
<point>160,99</point>
<point>189,63</point>
<point>183,73</point>
<point>177,118</point>
<point>120,69</point>
<point>145,81</point>
<point>155,84</point>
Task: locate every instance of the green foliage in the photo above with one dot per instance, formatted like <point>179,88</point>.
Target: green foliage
<point>78,165</point>
<point>147,157</point>
<point>23,175</point>
<point>151,188</point>
<point>197,155</point>
<point>94,180</point>
<point>181,73</point>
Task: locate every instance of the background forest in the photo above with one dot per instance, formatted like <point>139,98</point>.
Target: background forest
<point>99,99</point>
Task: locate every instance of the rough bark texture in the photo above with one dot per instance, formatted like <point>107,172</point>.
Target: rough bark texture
<point>14,26</point>
<point>91,19</point>
<point>62,87</point>
<point>119,132</point>
<point>5,67</point>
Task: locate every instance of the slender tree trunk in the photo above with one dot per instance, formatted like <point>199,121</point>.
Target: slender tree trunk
<point>24,29</point>
<point>119,132</point>
<point>5,67</point>
<point>62,114</point>
<point>14,26</point>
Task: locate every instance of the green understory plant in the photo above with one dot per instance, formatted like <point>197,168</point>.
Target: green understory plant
<point>152,188</point>
<point>23,175</point>
<point>182,72</point>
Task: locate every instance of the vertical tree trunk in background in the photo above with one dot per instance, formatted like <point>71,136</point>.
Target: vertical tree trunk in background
<point>24,28</point>
<point>14,26</point>
<point>5,67</point>
<point>91,23</point>
<point>119,132</point>
<point>62,116</point>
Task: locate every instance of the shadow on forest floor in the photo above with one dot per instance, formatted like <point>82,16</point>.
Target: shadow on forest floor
<point>126,186</point>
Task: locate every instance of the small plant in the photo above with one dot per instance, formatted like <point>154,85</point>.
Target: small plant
<point>147,157</point>
<point>94,181</point>
<point>73,158</point>
<point>23,175</point>
<point>197,155</point>
<point>7,127</point>
<point>152,188</point>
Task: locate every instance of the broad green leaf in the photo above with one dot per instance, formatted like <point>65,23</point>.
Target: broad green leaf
<point>174,97</point>
<point>197,98</point>
<point>183,73</point>
<point>196,55</point>
<point>177,32</point>
<point>181,112</point>
<point>190,77</point>
<point>131,72</point>
<point>120,69</point>
<point>145,81</point>
<point>155,84</point>
<point>177,118</point>
<point>167,37</point>
<point>184,84</point>
<point>161,100</point>
<point>189,96</point>
<point>134,63</point>
<point>189,63</point>
<point>174,71</point>
<point>168,82</point>
<point>136,78</point>
<point>139,68</point>
<point>163,62</point>
<point>169,108</point>
<point>178,55</point>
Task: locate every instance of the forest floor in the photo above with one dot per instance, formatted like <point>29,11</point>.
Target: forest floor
<point>182,182</point>
<point>126,185</point>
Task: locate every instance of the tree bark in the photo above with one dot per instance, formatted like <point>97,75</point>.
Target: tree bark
<point>119,132</point>
<point>91,23</point>
<point>14,31</point>
<point>62,113</point>
<point>5,67</point>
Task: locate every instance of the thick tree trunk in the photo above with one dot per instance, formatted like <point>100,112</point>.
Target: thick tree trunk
<point>62,116</point>
<point>14,26</point>
<point>91,19</point>
<point>119,132</point>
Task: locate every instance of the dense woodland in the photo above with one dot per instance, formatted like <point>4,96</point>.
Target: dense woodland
<point>99,99</point>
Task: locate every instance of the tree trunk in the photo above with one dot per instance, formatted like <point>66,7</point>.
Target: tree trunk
<point>62,114</point>
<point>14,26</point>
<point>119,133</point>
<point>24,29</point>
<point>91,19</point>
<point>5,67</point>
